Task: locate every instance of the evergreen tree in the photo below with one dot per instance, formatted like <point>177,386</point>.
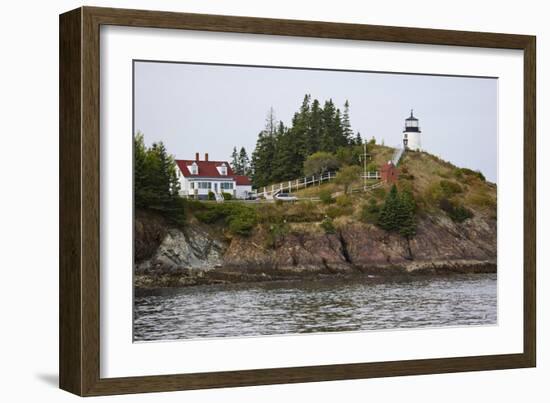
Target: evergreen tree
<point>358,139</point>
<point>156,184</point>
<point>281,151</point>
<point>300,128</point>
<point>388,219</point>
<point>235,161</point>
<point>327,138</point>
<point>313,137</point>
<point>288,159</point>
<point>407,215</point>
<point>243,162</point>
<point>346,125</point>
<point>398,215</point>
<point>264,153</point>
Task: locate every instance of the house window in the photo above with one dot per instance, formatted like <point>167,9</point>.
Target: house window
<point>192,185</point>
<point>194,169</point>
<point>205,185</point>
<point>226,185</point>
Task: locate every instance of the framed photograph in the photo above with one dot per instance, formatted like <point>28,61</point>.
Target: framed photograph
<point>248,201</point>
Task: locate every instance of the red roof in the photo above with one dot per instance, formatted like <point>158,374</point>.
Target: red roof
<point>207,169</point>
<point>242,180</point>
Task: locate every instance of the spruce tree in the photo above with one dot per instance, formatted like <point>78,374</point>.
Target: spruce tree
<point>156,184</point>
<point>264,153</point>
<point>346,125</point>
<point>313,136</point>
<point>327,138</point>
<point>235,161</point>
<point>358,139</point>
<point>388,219</point>
<point>243,162</point>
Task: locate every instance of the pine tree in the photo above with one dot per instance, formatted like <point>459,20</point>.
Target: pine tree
<point>313,137</point>
<point>346,125</point>
<point>244,162</point>
<point>264,153</point>
<point>235,161</point>
<point>287,162</point>
<point>300,127</point>
<point>327,138</point>
<point>358,139</point>
<point>388,219</point>
<point>156,184</point>
<point>407,215</point>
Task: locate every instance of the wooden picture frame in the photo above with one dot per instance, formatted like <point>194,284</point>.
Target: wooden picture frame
<point>79,348</point>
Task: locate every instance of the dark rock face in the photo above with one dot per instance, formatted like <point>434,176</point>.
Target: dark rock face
<point>203,255</point>
<point>149,232</point>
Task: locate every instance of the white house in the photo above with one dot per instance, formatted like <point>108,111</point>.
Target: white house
<point>197,178</point>
<point>411,134</point>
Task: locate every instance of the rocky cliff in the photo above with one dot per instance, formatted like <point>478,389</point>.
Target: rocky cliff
<point>204,254</point>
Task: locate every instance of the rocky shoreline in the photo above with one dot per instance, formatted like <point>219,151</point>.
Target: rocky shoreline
<point>198,254</point>
<point>193,277</point>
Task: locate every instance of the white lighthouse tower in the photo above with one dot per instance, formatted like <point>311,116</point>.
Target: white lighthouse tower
<point>411,134</point>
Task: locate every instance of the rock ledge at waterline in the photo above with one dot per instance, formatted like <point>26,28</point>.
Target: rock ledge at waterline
<point>167,256</point>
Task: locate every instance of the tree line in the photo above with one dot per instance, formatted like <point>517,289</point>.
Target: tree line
<point>281,150</point>
<point>156,184</point>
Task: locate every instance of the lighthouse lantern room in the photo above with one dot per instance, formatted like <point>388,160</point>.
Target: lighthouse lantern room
<point>411,134</point>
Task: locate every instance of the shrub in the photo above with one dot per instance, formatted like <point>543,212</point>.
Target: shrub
<point>482,199</point>
<point>337,211</point>
<point>328,226</point>
<point>461,172</point>
<point>457,212</point>
<point>326,196</point>
<point>275,233</point>
<point>239,218</point>
<point>372,167</point>
<point>449,188</point>
<point>434,193</point>
<point>209,215</point>
<point>211,195</point>
<point>379,193</point>
<point>227,196</point>
<point>303,212</point>
<point>343,201</point>
<point>243,222</point>
<point>370,212</point>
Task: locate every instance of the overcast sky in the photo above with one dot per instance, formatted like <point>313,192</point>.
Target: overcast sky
<point>203,108</point>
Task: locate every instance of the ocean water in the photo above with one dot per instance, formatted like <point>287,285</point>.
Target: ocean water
<point>328,305</point>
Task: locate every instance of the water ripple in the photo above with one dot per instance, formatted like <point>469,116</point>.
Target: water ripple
<point>315,306</point>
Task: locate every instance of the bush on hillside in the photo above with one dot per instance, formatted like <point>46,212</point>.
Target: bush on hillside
<point>456,212</point>
<point>326,196</point>
<point>370,212</point>
<point>449,188</point>
<point>328,226</point>
<point>462,172</point>
<point>239,218</point>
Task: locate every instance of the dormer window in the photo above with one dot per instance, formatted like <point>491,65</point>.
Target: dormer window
<point>223,169</point>
<point>194,169</point>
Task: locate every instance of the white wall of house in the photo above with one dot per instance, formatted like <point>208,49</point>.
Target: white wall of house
<point>243,191</point>
<point>200,187</point>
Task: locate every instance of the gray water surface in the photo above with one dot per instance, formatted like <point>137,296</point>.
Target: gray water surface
<point>328,305</point>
